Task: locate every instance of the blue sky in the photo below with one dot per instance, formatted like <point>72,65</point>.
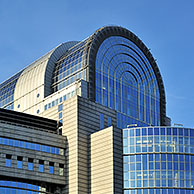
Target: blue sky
<point>29,29</point>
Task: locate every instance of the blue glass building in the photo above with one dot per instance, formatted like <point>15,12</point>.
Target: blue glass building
<point>110,79</point>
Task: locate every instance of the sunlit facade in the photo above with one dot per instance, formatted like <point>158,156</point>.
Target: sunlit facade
<point>98,89</point>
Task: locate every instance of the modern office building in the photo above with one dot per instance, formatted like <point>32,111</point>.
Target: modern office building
<point>110,134</point>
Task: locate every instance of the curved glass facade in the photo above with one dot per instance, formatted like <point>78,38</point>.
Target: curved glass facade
<point>70,67</point>
<point>158,158</point>
<point>126,82</point>
<point>7,92</point>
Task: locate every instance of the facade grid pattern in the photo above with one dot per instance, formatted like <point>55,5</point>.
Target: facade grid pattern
<point>125,81</point>
<point>70,67</point>
<point>160,157</point>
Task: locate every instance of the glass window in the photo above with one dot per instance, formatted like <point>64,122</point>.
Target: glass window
<point>192,132</point>
<point>126,159</point>
<point>138,166</point>
<point>51,167</point>
<point>157,157</point>
<point>57,151</point>
<point>180,131</point>
<point>169,157</point>
<point>19,162</point>
<point>11,142</point>
<point>156,131</point>
<point>48,149</point>
<point>60,107</point>
<point>138,158</point>
<point>101,121</point>
<point>163,157</point>
<point>125,133</point>
<point>37,147</point>
<point>151,165</point>
<point>62,152</point>
<point>30,164</point>
<point>49,105</point>
<point>61,169</point>
<point>132,158</point>
<point>151,157</point>
<point>109,121</point>
<point>41,166</point>
<point>162,131</point>
<point>169,165</point>
<point>132,132</point>
<point>132,166</point>
<point>137,132</point>
<point>144,131</point>
<point>8,160</point>
<point>64,97</point>
<point>186,132</point>
<point>16,143</point>
<point>175,157</point>
<point>174,131</point>
<point>42,148</point>
<point>53,150</point>
<point>61,99</point>
<point>33,147</point>
<point>168,131</point>
<point>5,141</point>
<point>150,131</point>
<point>60,115</point>
<point>22,144</point>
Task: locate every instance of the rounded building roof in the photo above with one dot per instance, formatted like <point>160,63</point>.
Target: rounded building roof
<point>46,75</point>
<point>37,78</point>
<point>87,59</point>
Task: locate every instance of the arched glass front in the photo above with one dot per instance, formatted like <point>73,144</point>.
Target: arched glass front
<point>125,81</point>
<point>158,160</point>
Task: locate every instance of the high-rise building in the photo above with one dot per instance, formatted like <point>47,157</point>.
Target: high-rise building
<point>112,135</point>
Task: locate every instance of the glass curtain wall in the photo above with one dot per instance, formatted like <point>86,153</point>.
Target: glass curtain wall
<point>125,81</point>
<point>71,67</point>
<point>158,160</point>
